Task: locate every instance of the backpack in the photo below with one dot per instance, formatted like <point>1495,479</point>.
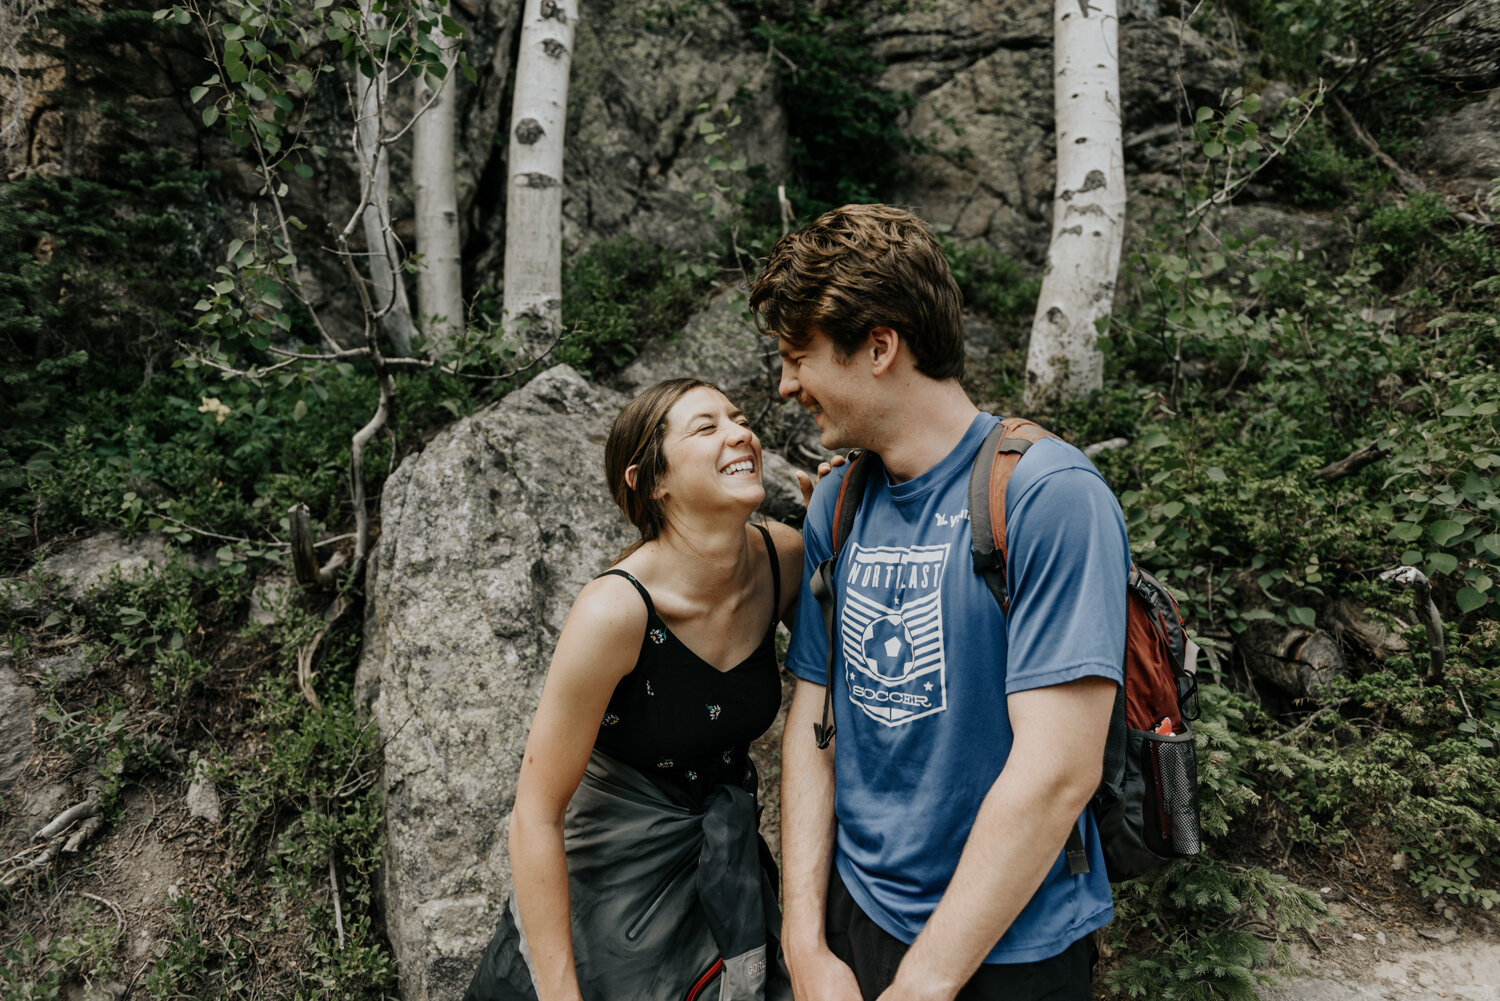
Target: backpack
<point>1146,805</point>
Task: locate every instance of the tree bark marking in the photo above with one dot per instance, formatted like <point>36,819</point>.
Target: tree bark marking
<point>528,131</point>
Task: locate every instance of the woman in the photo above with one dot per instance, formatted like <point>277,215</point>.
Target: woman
<point>633,843</point>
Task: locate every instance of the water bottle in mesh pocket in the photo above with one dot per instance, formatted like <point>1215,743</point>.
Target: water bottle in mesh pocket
<point>1171,810</point>
<point>1152,816</point>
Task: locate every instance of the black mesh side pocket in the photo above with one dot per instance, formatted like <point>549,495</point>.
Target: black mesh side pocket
<point>1169,767</point>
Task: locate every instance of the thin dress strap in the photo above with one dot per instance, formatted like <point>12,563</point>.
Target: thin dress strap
<point>645,595</point>
<point>775,575</point>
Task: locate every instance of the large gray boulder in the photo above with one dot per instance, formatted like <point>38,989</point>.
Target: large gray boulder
<point>487,536</point>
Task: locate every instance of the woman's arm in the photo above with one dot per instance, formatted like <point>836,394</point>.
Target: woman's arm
<point>598,646</point>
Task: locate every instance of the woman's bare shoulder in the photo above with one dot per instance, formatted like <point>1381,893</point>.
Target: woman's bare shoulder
<point>610,603</point>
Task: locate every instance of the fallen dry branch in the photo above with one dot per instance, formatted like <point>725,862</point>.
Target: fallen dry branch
<point>307,652</point>
<point>86,830</point>
<point>88,808</point>
<point>310,575</point>
<point>1427,614</point>
<point>1409,182</point>
<point>1351,463</point>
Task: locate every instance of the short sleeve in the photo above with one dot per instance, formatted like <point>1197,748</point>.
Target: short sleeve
<point>1067,567</point>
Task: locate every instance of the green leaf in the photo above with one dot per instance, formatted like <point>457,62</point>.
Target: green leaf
<point>1155,439</point>
<point>1489,544</point>
<point>1213,150</point>
<point>210,114</point>
<point>1217,475</point>
<point>1171,509</point>
<point>300,410</point>
<point>1441,563</point>
<point>1302,615</point>
<point>1469,598</point>
<point>196,94</point>
<point>233,31</point>
<point>1407,531</point>
<point>302,170</point>
<point>1442,531</point>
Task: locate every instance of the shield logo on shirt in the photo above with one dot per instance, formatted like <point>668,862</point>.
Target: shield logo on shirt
<point>892,631</point>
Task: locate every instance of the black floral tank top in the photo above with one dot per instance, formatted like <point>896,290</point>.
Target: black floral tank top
<point>679,718</point>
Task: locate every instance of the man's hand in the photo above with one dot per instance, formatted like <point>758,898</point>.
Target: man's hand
<point>822,977</point>
<point>806,483</point>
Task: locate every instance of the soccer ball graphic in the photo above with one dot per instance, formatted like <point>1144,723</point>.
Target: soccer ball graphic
<point>887,649</point>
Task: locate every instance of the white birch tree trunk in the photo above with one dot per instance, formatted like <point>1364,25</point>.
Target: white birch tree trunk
<point>440,297</point>
<point>1088,211</point>
<point>388,292</point>
<point>533,204</point>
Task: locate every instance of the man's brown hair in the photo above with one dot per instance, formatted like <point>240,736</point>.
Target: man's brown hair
<point>860,267</point>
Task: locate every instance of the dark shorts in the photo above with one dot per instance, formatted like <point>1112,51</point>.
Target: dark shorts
<point>874,954</point>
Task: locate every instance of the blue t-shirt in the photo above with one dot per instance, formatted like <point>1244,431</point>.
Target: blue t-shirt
<point>927,660</point>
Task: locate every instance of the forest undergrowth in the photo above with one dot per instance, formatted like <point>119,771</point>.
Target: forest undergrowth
<point>1298,421</point>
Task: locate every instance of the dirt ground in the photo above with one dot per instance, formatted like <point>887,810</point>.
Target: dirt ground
<point>1372,956</point>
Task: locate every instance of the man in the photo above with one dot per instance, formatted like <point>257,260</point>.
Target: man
<point>923,852</point>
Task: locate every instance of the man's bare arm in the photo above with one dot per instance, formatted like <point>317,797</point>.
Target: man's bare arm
<point>1053,769</point>
<point>807,832</point>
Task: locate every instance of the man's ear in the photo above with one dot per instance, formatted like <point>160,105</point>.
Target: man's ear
<point>883,345</point>
<point>630,474</point>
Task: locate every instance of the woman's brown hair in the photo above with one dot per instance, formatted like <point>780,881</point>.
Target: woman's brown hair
<point>636,439</point>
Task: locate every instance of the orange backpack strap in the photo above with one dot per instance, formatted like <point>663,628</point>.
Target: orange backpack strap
<point>997,460</point>
<point>825,578</point>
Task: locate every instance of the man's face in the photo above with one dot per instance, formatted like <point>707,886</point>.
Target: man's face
<point>829,387</point>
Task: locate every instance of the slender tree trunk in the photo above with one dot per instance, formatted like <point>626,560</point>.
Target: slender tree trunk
<point>389,292</point>
<point>440,297</point>
<point>1088,212</point>
<point>533,205</point>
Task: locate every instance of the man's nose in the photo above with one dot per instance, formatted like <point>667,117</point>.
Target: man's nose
<point>788,386</point>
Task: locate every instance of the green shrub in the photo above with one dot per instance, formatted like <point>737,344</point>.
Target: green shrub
<point>1401,232</point>
<point>993,283</point>
<point>618,295</point>
<point>95,281</point>
<point>846,139</point>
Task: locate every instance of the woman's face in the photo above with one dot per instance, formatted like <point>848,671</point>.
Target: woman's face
<point>713,458</point>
